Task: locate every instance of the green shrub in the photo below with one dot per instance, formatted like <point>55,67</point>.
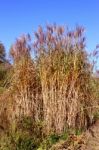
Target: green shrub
<point>49,141</point>
<point>22,135</point>
<point>17,141</point>
<point>52,139</point>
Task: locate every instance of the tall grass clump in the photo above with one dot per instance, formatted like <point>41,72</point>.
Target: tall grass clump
<point>49,91</point>
<point>52,79</point>
<point>65,74</point>
<point>24,83</point>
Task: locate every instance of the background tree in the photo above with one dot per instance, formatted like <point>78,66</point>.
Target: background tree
<point>2,52</point>
<point>4,68</point>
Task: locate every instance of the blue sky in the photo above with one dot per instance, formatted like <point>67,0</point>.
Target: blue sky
<point>24,16</point>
